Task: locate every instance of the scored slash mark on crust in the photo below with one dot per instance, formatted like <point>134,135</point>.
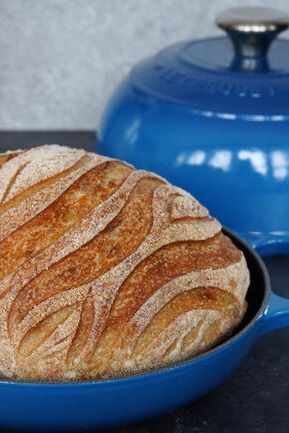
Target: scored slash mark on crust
<point>12,181</point>
<point>141,278</point>
<point>37,198</point>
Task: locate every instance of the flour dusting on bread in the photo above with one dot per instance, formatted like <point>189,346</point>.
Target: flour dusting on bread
<point>107,271</point>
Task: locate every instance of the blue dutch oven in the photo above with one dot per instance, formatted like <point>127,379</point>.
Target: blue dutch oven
<point>212,116</point>
<point>86,406</point>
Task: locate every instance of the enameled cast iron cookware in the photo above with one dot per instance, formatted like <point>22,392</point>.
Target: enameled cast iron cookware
<point>95,405</point>
<point>212,116</point>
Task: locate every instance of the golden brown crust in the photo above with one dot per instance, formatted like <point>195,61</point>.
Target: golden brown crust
<point>106,270</point>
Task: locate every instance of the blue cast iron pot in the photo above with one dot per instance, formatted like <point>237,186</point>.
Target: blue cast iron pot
<point>88,406</point>
<point>212,116</point>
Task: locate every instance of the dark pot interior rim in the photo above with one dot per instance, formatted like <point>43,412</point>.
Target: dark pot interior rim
<point>247,250</point>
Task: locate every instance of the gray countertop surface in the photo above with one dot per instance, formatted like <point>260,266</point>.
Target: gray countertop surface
<point>256,398</point>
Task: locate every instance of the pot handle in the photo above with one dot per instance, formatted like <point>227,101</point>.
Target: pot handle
<point>276,315</point>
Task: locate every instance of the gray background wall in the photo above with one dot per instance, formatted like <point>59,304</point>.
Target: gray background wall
<point>60,59</point>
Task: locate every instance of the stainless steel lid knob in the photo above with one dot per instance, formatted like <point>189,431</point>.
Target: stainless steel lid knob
<point>252,29</point>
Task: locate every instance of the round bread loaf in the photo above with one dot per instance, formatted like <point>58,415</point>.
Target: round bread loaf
<point>106,270</point>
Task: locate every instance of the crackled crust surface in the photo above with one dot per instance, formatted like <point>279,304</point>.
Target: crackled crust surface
<point>106,270</point>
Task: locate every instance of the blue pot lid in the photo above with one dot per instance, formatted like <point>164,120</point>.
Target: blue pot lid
<point>245,73</point>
